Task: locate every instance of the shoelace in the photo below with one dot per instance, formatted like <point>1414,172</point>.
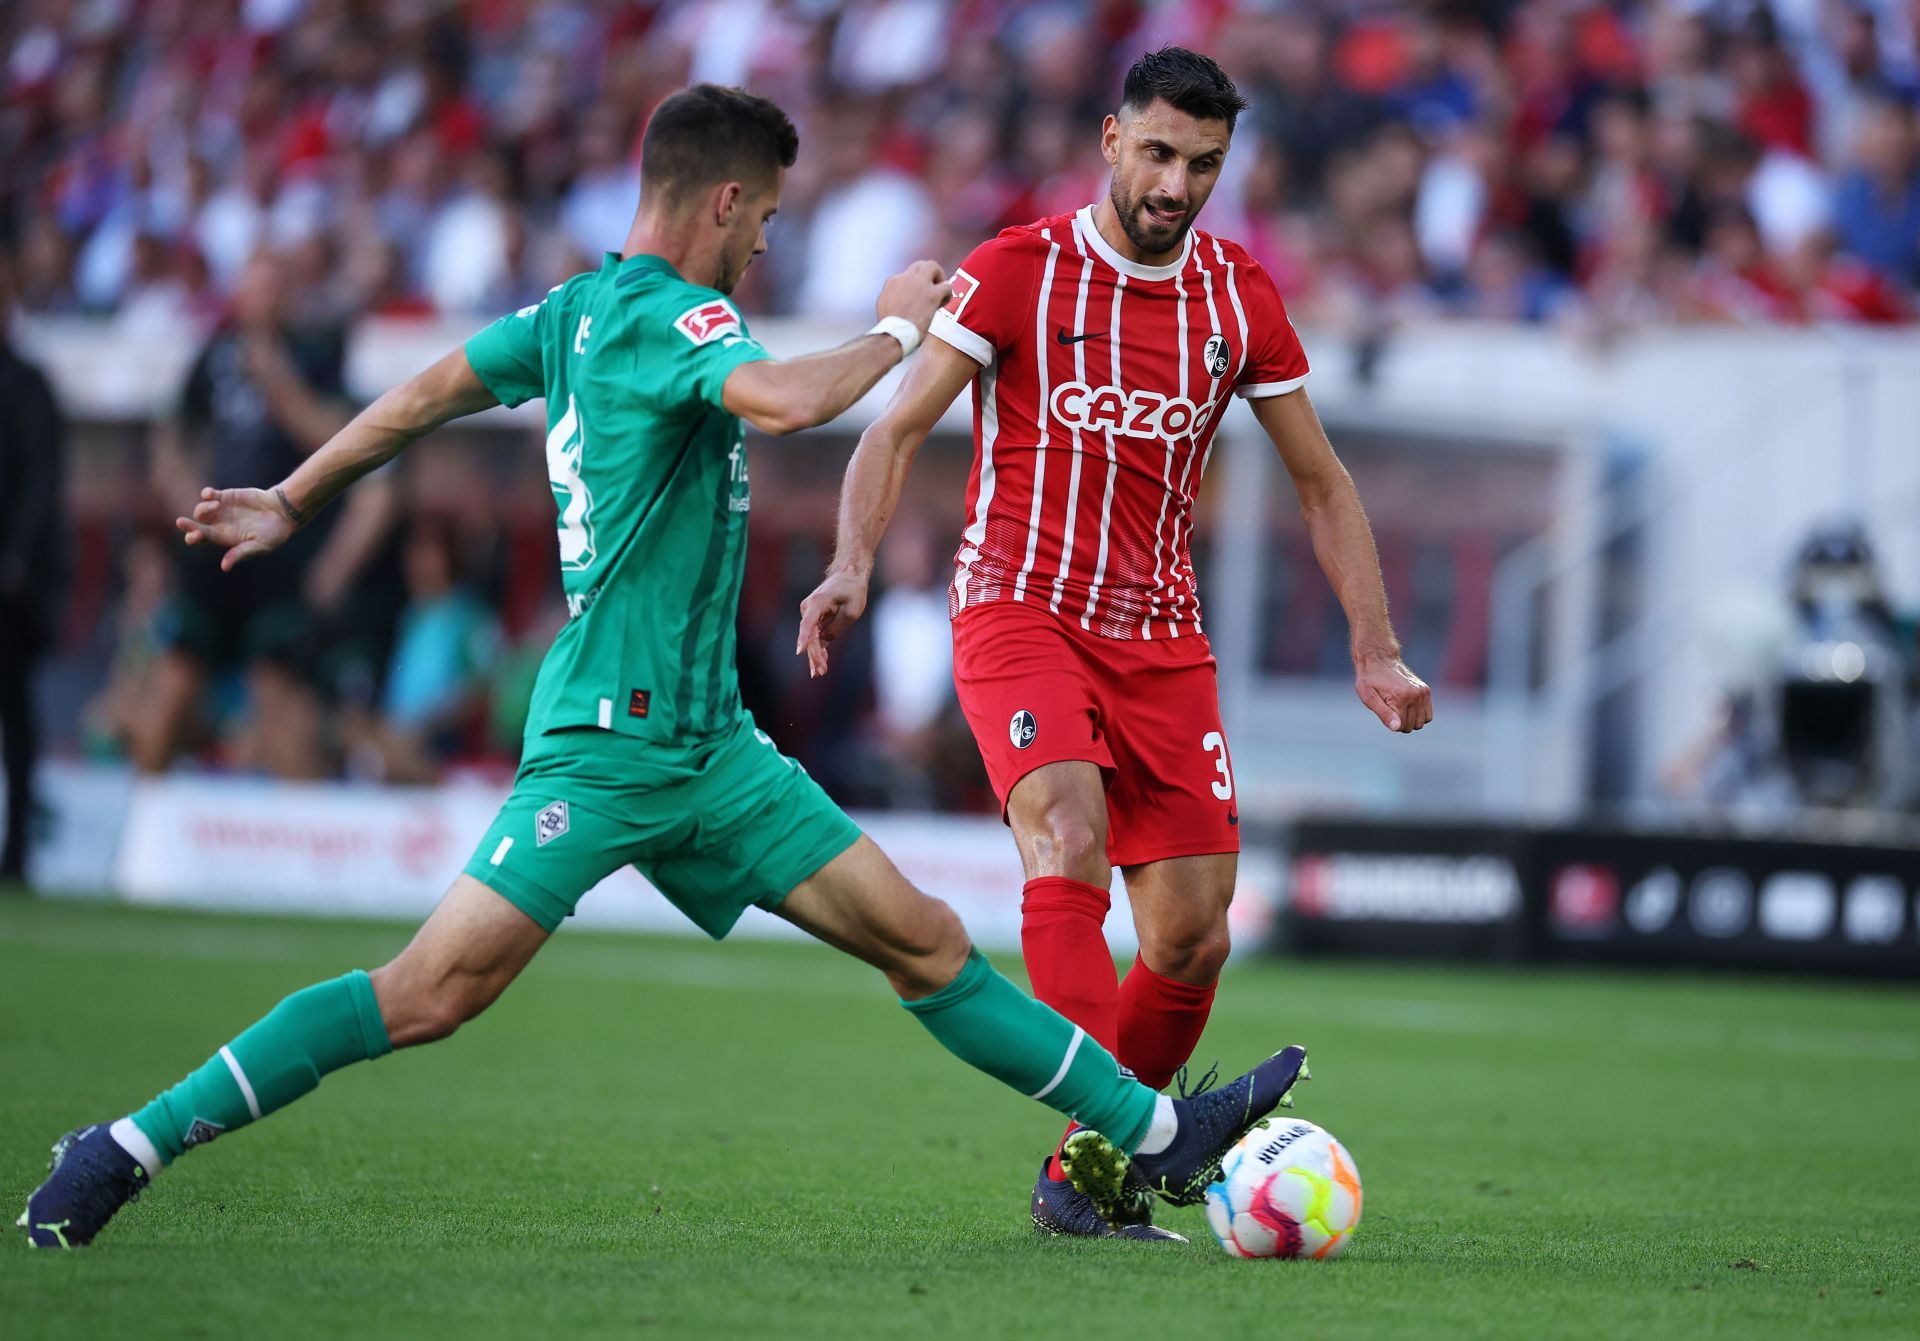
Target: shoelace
<point>1206,1082</point>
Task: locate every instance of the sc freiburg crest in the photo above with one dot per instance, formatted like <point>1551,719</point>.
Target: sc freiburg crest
<point>1022,729</point>
<point>1215,355</point>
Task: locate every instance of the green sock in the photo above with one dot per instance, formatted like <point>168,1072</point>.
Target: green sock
<point>993,1026</point>
<point>279,1058</point>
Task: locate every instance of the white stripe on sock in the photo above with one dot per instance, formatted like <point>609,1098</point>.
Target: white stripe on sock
<point>240,1079</point>
<point>127,1135</point>
<point>1073,1048</point>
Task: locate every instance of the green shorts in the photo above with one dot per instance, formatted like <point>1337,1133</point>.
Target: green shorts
<point>715,827</point>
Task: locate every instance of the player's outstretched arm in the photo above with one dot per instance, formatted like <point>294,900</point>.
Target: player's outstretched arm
<point>247,522</point>
<point>1343,543</point>
<point>871,492</point>
<point>787,396</point>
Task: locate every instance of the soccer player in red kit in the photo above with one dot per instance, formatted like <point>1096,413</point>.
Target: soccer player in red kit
<point>1103,346</point>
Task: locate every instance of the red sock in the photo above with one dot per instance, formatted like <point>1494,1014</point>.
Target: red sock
<point>1062,936</point>
<point>1160,1021</point>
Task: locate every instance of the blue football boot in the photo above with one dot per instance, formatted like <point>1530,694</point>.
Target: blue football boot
<point>1211,1120</point>
<point>1061,1208</point>
<point>89,1179</point>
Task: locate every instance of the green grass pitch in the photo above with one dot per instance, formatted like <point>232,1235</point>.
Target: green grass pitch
<point>665,1137</point>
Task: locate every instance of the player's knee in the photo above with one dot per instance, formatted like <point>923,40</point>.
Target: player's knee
<point>1210,954</point>
<point>1070,839</point>
<point>1189,952</point>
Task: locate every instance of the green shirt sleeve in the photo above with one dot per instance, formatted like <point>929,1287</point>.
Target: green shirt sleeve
<point>711,340</point>
<point>506,355</point>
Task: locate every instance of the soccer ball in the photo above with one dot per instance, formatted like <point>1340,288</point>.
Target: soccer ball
<point>1288,1189</point>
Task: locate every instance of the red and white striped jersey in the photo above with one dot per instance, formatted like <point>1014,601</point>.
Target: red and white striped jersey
<point>1101,384</point>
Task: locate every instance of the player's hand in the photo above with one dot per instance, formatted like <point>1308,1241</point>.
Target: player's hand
<point>244,522</point>
<point>916,293</point>
<point>832,608</point>
<point>1398,697</point>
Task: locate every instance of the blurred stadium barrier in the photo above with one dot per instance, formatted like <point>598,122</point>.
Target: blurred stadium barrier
<point>241,844</point>
<point>1582,893</point>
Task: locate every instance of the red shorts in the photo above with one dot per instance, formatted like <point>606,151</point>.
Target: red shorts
<point>1038,689</point>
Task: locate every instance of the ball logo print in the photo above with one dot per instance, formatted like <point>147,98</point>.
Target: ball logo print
<point>1215,355</point>
<point>1022,729</point>
<point>550,823</point>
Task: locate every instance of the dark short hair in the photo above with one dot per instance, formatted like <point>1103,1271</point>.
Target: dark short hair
<point>707,134</point>
<point>1186,81</point>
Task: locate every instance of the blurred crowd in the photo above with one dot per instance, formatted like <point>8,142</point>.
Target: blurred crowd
<point>1600,163</point>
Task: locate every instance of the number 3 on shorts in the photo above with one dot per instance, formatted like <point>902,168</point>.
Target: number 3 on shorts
<point>1216,745</point>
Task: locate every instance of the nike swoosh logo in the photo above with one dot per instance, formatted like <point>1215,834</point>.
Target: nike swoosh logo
<point>1065,339</point>
<point>1233,818</point>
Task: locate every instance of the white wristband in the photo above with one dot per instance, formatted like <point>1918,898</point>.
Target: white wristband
<point>900,329</point>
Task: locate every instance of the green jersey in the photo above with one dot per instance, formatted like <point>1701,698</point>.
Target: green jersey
<point>649,477</point>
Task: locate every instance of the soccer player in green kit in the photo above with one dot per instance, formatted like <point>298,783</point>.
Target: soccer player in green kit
<point>637,748</point>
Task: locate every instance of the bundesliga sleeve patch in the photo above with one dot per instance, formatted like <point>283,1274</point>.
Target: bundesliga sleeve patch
<point>708,322</point>
<point>963,286</point>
